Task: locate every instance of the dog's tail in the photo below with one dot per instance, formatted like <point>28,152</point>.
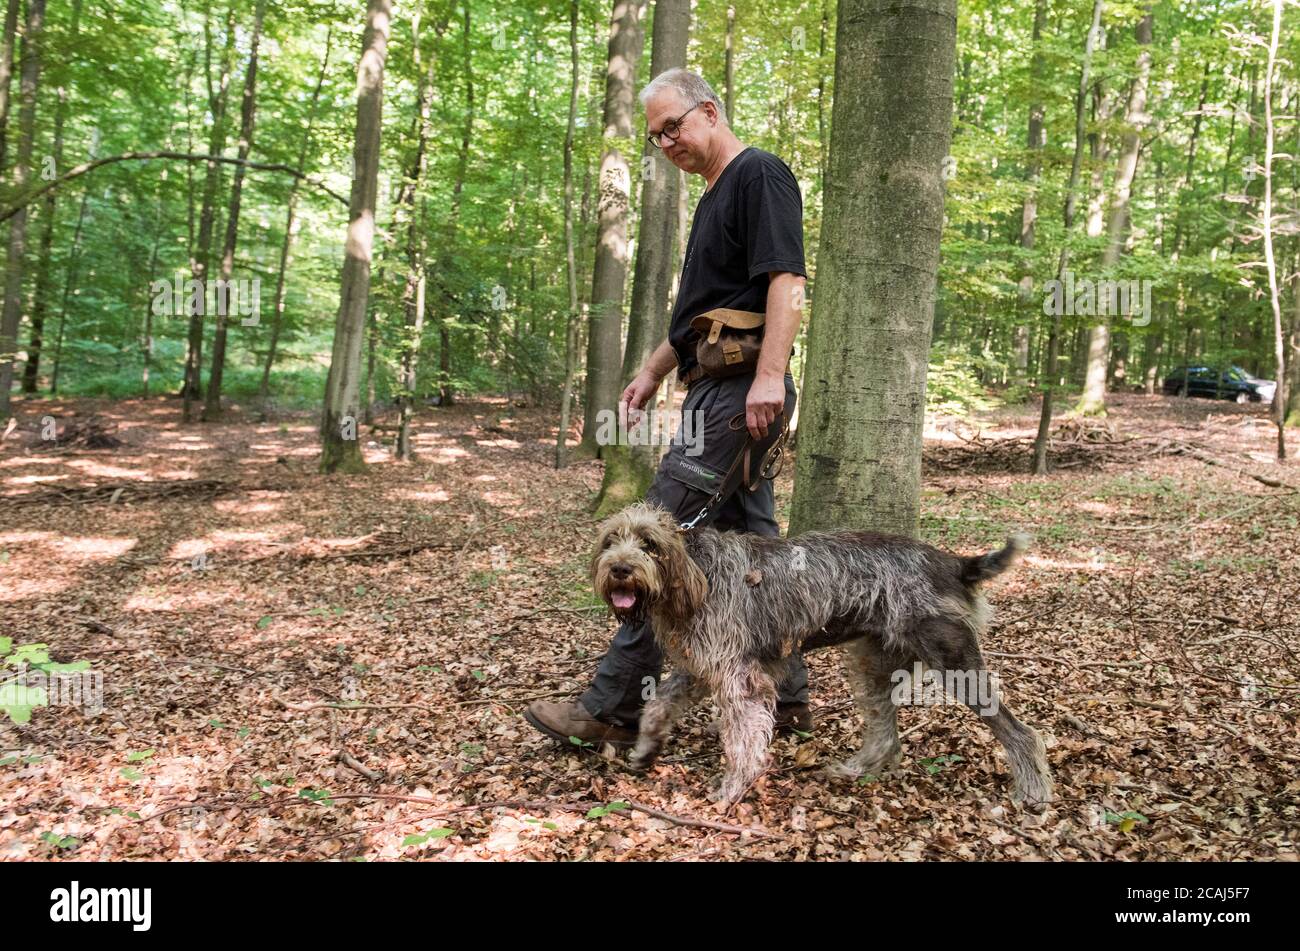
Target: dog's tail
<point>983,567</point>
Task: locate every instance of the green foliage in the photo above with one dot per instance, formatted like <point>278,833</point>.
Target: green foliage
<point>17,697</point>
<point>952,386</point>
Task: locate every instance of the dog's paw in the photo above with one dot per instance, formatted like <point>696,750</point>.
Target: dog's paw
<point>842,770</point>
<point>641,762</point>
<point>1033,797</point>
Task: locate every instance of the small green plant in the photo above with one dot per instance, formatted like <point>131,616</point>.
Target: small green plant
<point>936,764</point>
<point>439,833</point>
<point>1125,820</point>
<point>17,698</point>
<point>599,812</point>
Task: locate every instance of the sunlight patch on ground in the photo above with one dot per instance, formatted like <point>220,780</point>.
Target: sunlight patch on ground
<point>93,467</point>
<point>34,479</point>
<point>55,561</point>
<point>247,508</point>
<point>427,495</point>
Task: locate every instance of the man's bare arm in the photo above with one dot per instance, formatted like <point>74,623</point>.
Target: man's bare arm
<point>766,397</point>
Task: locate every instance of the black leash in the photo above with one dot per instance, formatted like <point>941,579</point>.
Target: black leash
<point>770,468</point>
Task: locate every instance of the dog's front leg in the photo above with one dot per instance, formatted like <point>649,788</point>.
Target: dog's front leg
<point>747,703</point>
<point>671,700</point>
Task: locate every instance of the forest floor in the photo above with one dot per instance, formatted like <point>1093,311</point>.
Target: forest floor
<point>305,667</point>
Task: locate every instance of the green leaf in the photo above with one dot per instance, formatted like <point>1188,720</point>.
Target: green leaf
<point>264,622</point>
<point>131,773</point>
<point>137,757</point>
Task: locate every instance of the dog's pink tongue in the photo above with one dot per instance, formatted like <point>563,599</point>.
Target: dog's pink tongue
<point>623,599</point>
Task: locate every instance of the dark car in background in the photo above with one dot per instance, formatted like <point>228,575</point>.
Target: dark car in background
<point>1234,383</point>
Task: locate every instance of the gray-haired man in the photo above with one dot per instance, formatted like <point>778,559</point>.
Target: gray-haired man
<point>745,252</point>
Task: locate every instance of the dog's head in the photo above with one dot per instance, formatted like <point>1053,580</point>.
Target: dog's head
<point>641,562</point>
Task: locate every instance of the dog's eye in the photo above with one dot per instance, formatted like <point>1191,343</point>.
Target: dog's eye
<point>651,549</point>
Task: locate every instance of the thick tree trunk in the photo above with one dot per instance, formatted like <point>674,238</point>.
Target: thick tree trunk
<point>655,263</point>
<point>859,462</point>
<point>1136,119</point>
<point>340,449</point>
<point>13,291</point>
<point>1071,192</point>
<point>609,276</point>
<point>277,306</point>
<point>200,262</point>
<point>247,119</point>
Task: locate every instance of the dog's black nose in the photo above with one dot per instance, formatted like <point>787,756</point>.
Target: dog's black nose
<point>621,572</point>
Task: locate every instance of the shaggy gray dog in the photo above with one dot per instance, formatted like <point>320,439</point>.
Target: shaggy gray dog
<point>730,609</point>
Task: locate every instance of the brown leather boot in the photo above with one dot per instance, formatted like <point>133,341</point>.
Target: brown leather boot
<point>570,718</point>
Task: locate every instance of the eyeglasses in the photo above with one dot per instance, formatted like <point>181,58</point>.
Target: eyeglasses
<point>671,130</point>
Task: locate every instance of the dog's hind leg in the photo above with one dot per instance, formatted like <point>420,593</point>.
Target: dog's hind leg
<point>673,698</point>
<point>952,645</point>
<point>871,688</point>
<point>747,698</point>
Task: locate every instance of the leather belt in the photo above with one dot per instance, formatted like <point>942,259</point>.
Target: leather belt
<point>697,373</point>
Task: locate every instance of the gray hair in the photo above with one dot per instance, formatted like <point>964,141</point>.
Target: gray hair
<point>692,87</point>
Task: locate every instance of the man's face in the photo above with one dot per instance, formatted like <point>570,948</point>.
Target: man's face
<point>689,150</point>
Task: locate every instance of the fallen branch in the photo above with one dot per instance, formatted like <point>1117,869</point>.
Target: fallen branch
<point>193,489</point>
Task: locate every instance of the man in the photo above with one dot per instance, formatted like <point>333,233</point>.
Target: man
<point>745,252</point>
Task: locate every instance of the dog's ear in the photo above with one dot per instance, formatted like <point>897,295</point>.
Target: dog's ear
<point>602,539</point>
<point>684,584</point>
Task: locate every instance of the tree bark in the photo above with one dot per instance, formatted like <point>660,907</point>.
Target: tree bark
<point>609,276</point>
<point>859,461</point>
<point>340,449</point>
<point>13,292</point>
<point>247,119</point>
<point>655,262</point>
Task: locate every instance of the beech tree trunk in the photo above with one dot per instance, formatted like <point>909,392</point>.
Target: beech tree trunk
<point>859,462</point>
<point>340,449</point>
<point>609,275</point>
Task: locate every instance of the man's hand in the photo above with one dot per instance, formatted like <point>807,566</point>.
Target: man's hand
<point>641,389</point>
<point>765,402</point>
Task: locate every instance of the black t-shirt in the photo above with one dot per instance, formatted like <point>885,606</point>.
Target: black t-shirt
<point>749,223</point>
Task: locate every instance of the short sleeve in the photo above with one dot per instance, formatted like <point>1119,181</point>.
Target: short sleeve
<point>772,214</point>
